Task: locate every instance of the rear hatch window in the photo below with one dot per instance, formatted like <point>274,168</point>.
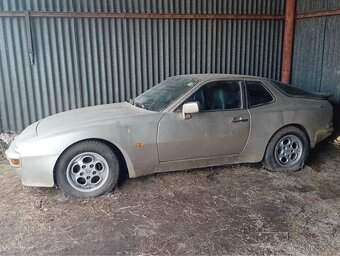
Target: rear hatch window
<point>296,92</point>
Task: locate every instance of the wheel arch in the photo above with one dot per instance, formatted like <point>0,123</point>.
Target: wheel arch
<point>126,168</point>
<point>302,128</point>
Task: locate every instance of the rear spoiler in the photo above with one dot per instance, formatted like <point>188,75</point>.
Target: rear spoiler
<point>320,95</point>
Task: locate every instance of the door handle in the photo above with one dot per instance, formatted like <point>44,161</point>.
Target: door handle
<point>239,119</point>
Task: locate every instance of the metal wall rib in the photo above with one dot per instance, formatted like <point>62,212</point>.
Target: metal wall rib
<point>316,57</point>
<point>87,61</point>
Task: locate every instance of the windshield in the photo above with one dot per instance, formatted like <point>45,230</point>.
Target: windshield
<point>165,93</point>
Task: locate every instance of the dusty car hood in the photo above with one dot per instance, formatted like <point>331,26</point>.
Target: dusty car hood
<point>89,116</point>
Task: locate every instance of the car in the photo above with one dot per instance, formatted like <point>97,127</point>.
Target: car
<point>184,122</point>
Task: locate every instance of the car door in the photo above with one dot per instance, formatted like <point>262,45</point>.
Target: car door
<point>220,128</point>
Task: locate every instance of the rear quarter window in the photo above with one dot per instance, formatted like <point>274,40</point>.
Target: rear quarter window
<point>258,94</point>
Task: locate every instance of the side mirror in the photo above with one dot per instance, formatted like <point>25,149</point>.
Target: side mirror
<point>190,108</point>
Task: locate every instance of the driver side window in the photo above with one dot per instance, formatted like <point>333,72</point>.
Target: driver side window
<point>218,96</point>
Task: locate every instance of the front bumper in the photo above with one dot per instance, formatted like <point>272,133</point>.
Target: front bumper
<point>36,171</point>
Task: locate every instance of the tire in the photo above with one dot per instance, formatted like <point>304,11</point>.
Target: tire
<point>87,169</point>
<point>287,150</point>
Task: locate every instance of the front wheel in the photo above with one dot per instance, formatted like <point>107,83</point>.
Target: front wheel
<point>287,150</point>
<point>87,169</point>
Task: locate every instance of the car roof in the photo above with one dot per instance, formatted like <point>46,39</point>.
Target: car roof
<point>206,77</point>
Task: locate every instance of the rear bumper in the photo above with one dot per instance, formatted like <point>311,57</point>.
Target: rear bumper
<point>322,134</point>
<point>36,171</point>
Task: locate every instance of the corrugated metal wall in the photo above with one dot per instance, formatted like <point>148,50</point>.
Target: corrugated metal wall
<point>86,61</point>
<point>316,60</point>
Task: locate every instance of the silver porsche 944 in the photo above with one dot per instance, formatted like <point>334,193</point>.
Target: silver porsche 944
<point>184,122</point>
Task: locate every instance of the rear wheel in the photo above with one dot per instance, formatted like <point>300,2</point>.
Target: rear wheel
<point>287,150</point>
<point>87,169</point>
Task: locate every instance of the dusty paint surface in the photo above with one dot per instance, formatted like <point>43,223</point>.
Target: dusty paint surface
<point>235,209</point>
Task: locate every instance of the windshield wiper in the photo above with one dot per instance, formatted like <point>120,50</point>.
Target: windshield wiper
<point>139,105</point>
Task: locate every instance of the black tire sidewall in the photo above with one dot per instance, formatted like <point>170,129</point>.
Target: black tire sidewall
<point>78,148</point>
<point>270,160</point>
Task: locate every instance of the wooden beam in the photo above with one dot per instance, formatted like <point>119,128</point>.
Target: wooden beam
<point>288,41</point>
<point>318,14</point>
<point>141,15</point>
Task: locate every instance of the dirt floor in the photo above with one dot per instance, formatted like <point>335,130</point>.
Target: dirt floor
<point>241,209</point>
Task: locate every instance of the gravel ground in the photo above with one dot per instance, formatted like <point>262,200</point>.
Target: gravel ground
<point>241,209</point>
